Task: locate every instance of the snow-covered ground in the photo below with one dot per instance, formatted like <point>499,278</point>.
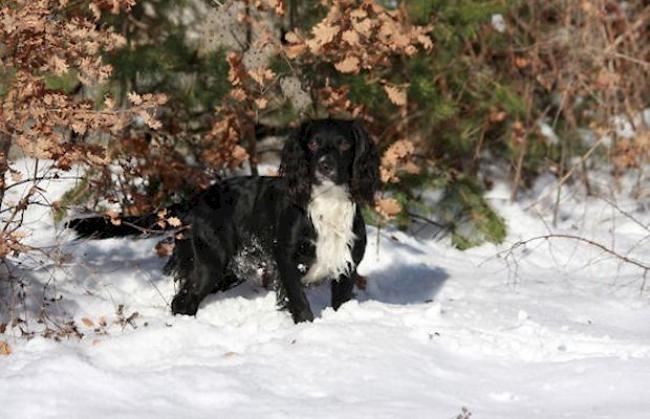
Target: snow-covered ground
<point>555,329</point>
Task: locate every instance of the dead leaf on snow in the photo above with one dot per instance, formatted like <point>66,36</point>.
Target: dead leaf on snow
<point>87,322</point>
<point>5,349</point>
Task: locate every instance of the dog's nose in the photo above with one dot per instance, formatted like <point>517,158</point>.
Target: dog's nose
<point>326,164</point>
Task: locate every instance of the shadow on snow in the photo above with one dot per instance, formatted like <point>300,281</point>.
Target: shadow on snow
<point>400,283</point>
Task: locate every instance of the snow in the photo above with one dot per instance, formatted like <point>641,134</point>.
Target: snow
<point>555,329</point>
<point>498,23</point>
<point>548,132</point>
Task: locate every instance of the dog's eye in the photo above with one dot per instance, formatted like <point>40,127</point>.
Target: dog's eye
<point>312,145</point>
<point>345,146</point>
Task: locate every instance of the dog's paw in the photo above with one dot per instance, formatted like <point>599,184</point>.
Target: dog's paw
<point>304,315</point>
<point>185,303</point>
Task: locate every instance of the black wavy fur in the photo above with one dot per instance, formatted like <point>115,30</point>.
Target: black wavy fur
<point>294,166</point>
<point>103,228</point>
<point>271,211</point>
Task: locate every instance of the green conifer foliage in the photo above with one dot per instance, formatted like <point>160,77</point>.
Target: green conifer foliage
<point>159,58</point>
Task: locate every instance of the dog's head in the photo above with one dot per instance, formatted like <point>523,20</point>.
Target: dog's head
<point>330,150</point>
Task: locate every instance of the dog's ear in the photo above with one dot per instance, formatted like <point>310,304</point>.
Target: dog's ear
<point>365,169</point>
<point>294,167</point>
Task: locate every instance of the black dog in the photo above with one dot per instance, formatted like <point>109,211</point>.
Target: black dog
<point>302,227</point>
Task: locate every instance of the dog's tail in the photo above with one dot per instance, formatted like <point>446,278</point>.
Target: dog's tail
<point>103,227</point>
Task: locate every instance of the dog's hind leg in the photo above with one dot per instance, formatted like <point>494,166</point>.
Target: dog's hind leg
<point>181,261</point>
<point>207,269</point>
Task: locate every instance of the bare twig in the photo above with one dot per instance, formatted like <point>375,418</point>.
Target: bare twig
<point>639,264</point>
<point>626,214</point>
<point>644,266</point>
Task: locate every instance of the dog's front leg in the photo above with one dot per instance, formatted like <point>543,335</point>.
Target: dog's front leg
<point>292,255</point>
<point>294,294</point>
<point>342,289</point>
<point>343,286</point>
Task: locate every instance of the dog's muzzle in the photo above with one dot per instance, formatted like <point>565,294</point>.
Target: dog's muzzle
<point>326,167</point>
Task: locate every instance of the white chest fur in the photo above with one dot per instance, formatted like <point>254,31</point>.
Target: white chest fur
<point>332,213</point>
